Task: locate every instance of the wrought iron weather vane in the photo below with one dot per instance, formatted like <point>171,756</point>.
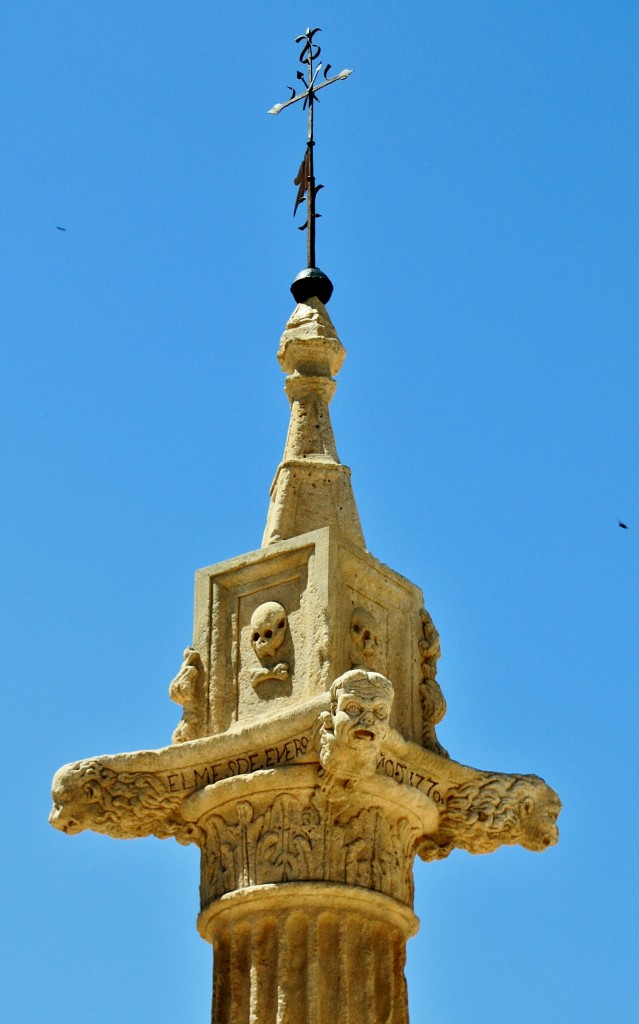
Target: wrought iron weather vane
<point>310,281</point>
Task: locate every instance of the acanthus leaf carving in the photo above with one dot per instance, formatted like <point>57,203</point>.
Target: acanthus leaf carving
<point>309,836</point>
<point>284,848</point>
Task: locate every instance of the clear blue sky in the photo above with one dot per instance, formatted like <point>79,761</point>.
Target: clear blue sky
<point>480,224</point>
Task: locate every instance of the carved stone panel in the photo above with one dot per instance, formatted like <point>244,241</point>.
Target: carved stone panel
<point>382,630</point>
<point>256,632</point>
<point>283,826</point>
<point>341,609</point>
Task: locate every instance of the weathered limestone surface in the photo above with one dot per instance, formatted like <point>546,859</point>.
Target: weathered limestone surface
<point>311,487</point>
<point>306,765</point>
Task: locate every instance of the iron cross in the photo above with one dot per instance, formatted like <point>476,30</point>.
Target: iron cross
<point>305,179</point>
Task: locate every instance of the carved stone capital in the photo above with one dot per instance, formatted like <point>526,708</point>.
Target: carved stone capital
<point>280,825</point>
<point>145,793</point>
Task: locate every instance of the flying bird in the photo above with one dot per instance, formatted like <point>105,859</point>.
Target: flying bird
<point>622,525</point>
<point>59,228</point>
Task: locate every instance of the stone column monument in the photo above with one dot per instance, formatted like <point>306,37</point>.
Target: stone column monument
<point>306,766</point>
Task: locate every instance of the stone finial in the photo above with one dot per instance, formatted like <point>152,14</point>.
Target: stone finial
<point>310,344</point>
<point>311,489</point>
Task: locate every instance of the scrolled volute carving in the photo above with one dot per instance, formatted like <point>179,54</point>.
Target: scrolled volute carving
<point>431,696</point>
<point>495,810</point>
<point>187,689</point>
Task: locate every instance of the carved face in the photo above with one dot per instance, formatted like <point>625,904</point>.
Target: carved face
<point>539,821</point>
<point>360,716</point>
<point>268,629</point>
<point>364,638</point>
<point>491,811</point>
<point>73,798</point>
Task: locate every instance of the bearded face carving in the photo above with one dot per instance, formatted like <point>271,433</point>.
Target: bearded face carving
<point>354,730</point>
<point>364,639</point>
<point>268,629</point>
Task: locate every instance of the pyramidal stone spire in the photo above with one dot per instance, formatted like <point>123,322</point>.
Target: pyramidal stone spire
<point>311,489</point>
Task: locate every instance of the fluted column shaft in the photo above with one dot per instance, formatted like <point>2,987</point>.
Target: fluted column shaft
<point>308,953</point>
<point>306,892</point>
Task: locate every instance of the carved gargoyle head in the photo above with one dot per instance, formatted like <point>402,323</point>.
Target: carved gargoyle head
<point>354,730</point>
<point>124,804</point>
<point>539,812</point>
<point>268,629</point>
<point>496,810</point>
<point>74,792</point>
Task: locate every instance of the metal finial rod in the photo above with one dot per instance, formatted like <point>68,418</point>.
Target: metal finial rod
<point>305,179</point>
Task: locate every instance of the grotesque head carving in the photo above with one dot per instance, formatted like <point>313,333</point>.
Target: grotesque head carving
<point>539,815</point>
<point>268,629</point>
<point>494,810</point>
<point>356,727</point>
<point>364,639</point>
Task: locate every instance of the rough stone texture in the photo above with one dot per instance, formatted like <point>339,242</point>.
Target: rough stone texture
<point>327,588</point>
<point>306,766</point>
<point>344,949</point>
<point>311,488</point>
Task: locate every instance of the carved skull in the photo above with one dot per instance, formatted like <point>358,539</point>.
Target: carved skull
<point>268,629</point>
<point>364,639</point>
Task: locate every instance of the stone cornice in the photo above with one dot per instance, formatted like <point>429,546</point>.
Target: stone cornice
<point>144,792</point>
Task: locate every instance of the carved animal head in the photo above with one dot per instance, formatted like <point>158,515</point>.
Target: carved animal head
<point>499,810</point>
<point>539,815</point>
<point>123,804</point>
<point>364,638</point>
<point>76,796</point>
<point>268,629</point>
